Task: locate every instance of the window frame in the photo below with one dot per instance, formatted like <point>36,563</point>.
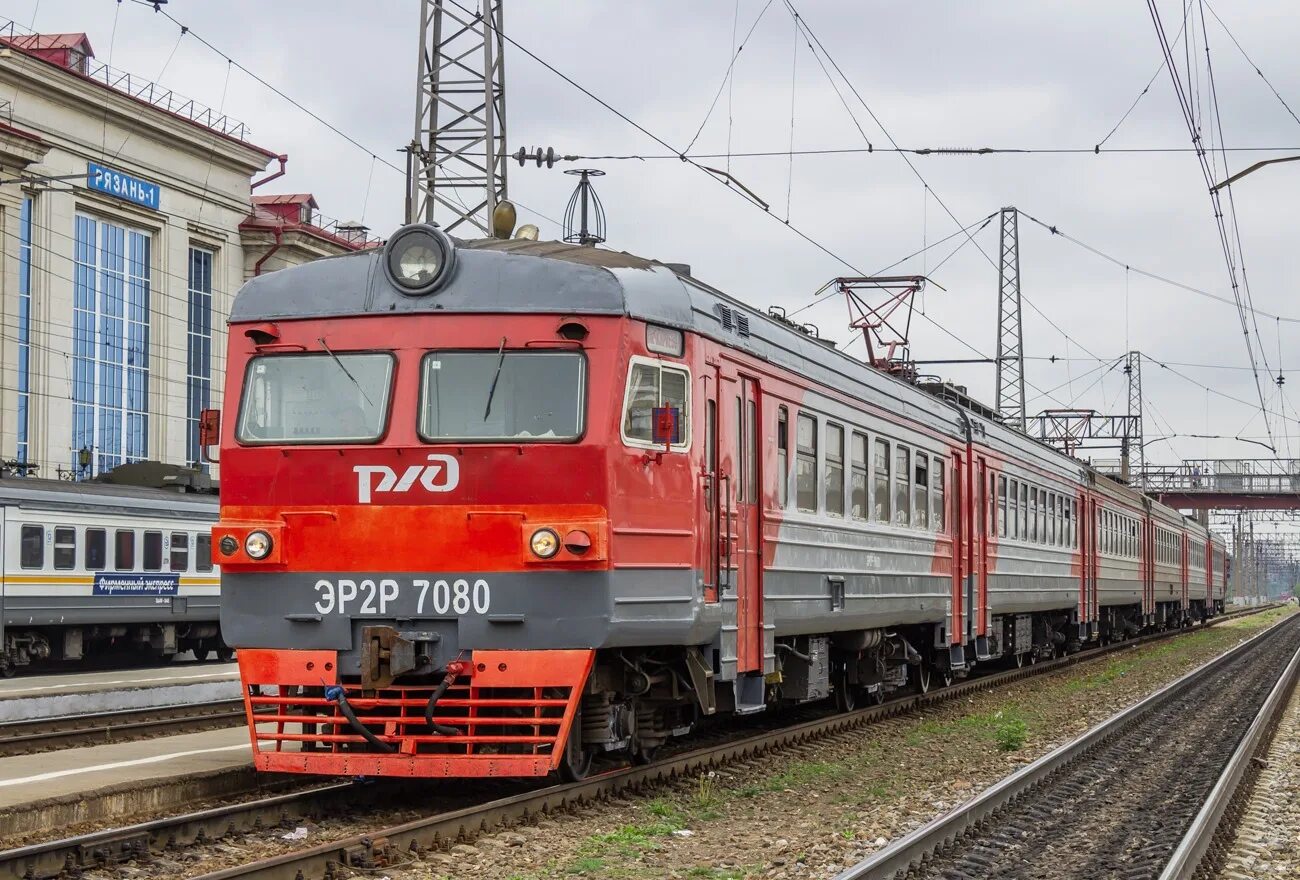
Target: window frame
<point>938,494</point>
<point>782,456</point>
<point>200,561</point>
<point>830,464</point>
<point>117,546</point>
<point>920,490</point>
<point>863,469</point>
<point>145,549</point>
<point>903,477</point>
<point>102,533</point>
<point>22,547</point>
<point>878,443</point>
<point>66,545</point>
<point>385,422</point>
<point>631,442</point>
<point>172,549</point>
<point>800,454</point>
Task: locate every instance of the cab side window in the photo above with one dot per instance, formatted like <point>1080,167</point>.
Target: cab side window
<point>651,387</point>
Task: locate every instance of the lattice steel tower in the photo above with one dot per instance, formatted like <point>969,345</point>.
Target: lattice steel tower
<point>1011,341</point>
<point>1134,455</point>
<point>456,160</point>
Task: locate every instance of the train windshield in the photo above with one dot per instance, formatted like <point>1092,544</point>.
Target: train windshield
<point>316,398</point>
<point>509,395</point>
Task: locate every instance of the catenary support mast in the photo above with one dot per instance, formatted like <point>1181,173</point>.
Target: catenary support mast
<point>1011,342</point>
<point>456,160</point>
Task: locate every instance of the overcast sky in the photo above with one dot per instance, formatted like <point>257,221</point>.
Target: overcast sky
<point>1010,73</point>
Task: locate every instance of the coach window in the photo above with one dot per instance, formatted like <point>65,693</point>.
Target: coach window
<point>1043,515</point>
<point>203,551</point>
<point>1002,507</point>
<point>880,481</point>
<point>834,469</point>
<point>858,476</point>
<point>65,548</point>
<point>650,385</point>
<point>1013,508</point>
<point>782,455</point>
<point>96,549</point>
<point>751,452</point>
<point>1024,511</point>
<point>124,557</point>
<point>805,477</point>
<point>180,554</point>
<point>1064,534</point>
<point>1033,515</point>
<point>902,478</point>
<point>1073,514</point>
<point>32,554</point>
<point>921,491</point>
<point>939,516</point>
<point>153,551</point>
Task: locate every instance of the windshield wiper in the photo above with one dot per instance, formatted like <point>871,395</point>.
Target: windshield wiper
<point>501,359</point>
<point>321,340</point>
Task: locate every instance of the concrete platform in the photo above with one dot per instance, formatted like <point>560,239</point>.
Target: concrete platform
<point>69,693</point>
<point>52,789</point>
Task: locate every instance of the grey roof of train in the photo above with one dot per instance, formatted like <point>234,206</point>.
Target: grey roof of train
<point>35,493</point>
<point>516,275</point>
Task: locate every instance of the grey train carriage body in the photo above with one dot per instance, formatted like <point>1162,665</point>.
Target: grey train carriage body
<point>88,566</point>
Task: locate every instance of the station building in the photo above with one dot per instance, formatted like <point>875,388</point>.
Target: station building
<point>128,221</point>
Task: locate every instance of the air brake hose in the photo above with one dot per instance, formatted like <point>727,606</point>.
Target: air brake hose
<point>454,669</point>
<point>334,693</point>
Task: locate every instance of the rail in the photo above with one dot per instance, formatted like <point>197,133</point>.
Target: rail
<point>942,833</point>
<point>388,846</point>
<point>66,731</point>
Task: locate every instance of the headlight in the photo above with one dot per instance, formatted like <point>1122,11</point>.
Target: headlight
<point>545,543</point>
<point>257,545</point>
<point>418,259</point>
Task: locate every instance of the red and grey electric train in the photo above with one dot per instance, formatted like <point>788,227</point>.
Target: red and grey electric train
<point>491,508</point>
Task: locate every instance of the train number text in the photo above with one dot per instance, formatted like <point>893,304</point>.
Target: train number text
<point>376,596</point>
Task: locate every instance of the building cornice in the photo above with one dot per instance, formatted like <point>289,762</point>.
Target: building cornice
<point>131,113</point>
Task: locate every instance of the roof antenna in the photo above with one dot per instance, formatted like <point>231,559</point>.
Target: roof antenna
<point>584,218</point>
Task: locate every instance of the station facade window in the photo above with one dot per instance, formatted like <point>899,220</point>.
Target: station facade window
<point>110,329</point>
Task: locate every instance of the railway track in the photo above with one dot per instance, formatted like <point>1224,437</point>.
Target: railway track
<point>499,803</point>
<point>96,728</point>
<point>1137,797</point>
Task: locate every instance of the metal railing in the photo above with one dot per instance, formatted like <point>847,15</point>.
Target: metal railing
<point>1237,475</point>
<point>19,38</point>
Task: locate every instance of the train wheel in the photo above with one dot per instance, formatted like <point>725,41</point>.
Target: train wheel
<point>1020,660</point>
<point>923,678</point>
<point>202,654</point>
<point>575,763</point>
<point>846,695</point>
<point>7,668</point>
<point>225,654</point>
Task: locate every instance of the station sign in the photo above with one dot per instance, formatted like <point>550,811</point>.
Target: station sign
<point>123,186</point>
<point>127,584</point>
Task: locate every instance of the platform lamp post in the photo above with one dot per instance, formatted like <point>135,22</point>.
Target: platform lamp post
<point>83,462</point>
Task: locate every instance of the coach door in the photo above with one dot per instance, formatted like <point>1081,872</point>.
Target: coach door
<point>748,528</point>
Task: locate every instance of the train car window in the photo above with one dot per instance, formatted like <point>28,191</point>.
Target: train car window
<point>124,557</point>
<point>65,548</point>
<point>1043,515</point>
<point>921,491</point>
<point>180,552</point>
<point>153,551</point>
<point>321,398</point>
<point>1073,514</point>
<point>1051,518</point>
<point>858,477</point>
<point>1024,512</point>
<point>1064,534</point>
<point>203,551</point>
<point>711,452</point>
<point>782,456</point>
<point>1002,507</point>
<point>538,396</point>
<point>939,517</point>
<point>834,475</point>
<point>880,507</point>
<point>1013,508</point>
<point>1033,515</point>
<point>751,451</point>
<point>902,476</point>
<point>32,551</point>
<point>738,465</point>
<point>96,557</point>
<point>805,477</point>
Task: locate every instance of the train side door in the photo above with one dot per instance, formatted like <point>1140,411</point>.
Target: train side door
<point>1184,546</point>
<point>748,525</point>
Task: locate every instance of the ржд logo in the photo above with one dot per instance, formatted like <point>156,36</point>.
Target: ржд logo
<point>441,474</point>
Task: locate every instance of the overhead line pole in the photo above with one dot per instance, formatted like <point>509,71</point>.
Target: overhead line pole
<point>1010,402</point>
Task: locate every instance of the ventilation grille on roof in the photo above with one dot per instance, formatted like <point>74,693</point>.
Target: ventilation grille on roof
<point>732,319</point>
